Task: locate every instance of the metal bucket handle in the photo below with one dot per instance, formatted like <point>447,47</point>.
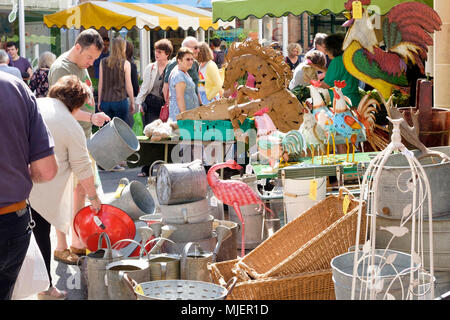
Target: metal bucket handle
<point>150,171</point>
<point>136,161</point>
<point>108,251</point>
<point>433,153</point>
<point>131,283</point>
<point>135,242</point>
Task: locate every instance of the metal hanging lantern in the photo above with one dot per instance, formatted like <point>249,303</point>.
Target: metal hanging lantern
<point>371,273</point>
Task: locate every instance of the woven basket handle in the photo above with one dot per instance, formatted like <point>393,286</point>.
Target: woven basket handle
<point>341,196</point>
<point>230,285</point>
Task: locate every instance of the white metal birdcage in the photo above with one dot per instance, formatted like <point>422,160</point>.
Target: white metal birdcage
<point>372,272</point>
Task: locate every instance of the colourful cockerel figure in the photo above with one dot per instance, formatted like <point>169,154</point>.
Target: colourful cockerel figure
<point>345,121</point>
<point>322,114</point>
<point>273,144</point>
<point>406,36</point>
<point>318,98</point>
<point>313,134</point>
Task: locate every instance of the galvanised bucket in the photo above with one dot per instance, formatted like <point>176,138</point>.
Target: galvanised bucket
<point>396,172</point>
<point>180,183</point>
<point>113,143</point>
<point>134,199</point>
<point>399,269</point>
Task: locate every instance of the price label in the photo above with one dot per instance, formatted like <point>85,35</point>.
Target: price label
<point>357,10</point>
<point>138,289</point>
<point>249,169</point>
<point>345,204</point>
<point>313,189</point>
<point>213,201</point>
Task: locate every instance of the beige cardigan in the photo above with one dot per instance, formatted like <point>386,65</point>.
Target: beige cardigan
<point>150,73</point>
<point>53,200</point>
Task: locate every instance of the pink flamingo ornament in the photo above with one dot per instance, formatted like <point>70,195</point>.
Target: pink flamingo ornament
<point>233,193</point>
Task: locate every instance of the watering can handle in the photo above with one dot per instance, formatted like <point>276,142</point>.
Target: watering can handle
<point>185,254</point>
<point>135,242</point>
<point>108,253</point>
<point>138,158</point>
<point>122,183</point>
<point>131,283</point>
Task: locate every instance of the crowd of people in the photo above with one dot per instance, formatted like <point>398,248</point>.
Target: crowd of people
<point>47,116</point>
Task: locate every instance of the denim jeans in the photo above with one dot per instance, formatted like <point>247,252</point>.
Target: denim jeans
<point>116,109</point>
<point>14,240</point>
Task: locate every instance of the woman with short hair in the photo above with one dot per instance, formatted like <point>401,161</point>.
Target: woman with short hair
<point>150,97</point>
<point>182,96</point>
<point>52,202</point>
<point>39,79</point>
<point>293,58</point>
<point>210,82</point>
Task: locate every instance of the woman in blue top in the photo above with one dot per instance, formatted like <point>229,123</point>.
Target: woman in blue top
<point>182,96</point>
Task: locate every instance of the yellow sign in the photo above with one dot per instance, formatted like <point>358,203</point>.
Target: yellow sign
<point>313,189</point>
<point>345,204</point>
<point>357,10</point>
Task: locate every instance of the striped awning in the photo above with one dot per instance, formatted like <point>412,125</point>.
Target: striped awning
<point>118,15</point>
<point>226,10</point>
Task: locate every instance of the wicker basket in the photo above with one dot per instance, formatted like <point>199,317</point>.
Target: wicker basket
<point>308,243</point>
<point>307,286</point>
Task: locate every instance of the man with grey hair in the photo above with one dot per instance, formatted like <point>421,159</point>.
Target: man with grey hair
<point>4,61</point>
<point>192,44</point>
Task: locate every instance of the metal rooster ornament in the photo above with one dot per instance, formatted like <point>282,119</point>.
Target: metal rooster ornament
<point>345,121</point>
<point>406,36</point>
<point>234,193</point>
<point>356,124</point>
<point>313,134</point>
<point>322,114</point>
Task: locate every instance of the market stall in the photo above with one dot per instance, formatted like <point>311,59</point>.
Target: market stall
<point>318,244</point>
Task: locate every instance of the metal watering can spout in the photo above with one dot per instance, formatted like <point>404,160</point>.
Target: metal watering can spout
<point>146,233</point>
<point>156,228</point>
<point>223,233</point>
